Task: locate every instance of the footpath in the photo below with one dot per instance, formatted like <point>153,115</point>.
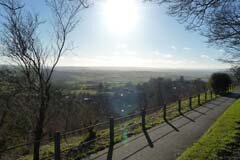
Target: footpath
<point>168,141</point>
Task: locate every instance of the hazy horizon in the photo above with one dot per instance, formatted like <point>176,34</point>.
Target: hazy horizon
<point>130,68</point>
<point>138,68</point>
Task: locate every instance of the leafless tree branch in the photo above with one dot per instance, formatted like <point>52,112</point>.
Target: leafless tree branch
<point>218,20</point>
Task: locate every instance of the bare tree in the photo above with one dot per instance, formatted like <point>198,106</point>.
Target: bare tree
<point>7,92</point>
<point>13,124</point>
<point>218,20</point>
<point>236,73</point>
<point>36,59</point>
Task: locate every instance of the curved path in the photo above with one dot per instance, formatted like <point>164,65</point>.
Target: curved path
<point>168,142</point>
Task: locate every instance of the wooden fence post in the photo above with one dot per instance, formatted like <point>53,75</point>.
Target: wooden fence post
<point>144,128</point>
<point>205,97</point>
<point>190,102</point>
<point>199,99</point>
<point>180,106</point>
<point>165,112</point>
<point>143,120</point>
<point>57,146</point>
<point>111,138</point>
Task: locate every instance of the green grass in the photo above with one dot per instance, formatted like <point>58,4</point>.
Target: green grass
<point>122,129</point>
<point>217,138</point>
<point>83,91</point>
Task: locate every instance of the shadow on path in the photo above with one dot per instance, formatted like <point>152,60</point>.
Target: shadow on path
<point>198,112</point>
<point>210,108</point>
<point>162,136</point>
<point>150,143</point>
<point>170,123</point>
<point>233,95</point>
<point>183,115</point>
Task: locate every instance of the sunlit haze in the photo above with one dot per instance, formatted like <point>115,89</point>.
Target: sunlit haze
<point>120,16</point>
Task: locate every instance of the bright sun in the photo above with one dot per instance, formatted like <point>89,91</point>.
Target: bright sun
<point>121,16</point>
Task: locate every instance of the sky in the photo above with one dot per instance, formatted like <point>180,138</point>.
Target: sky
<point>132,33</point>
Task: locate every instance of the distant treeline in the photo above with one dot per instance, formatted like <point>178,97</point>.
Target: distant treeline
<point>86,109</point>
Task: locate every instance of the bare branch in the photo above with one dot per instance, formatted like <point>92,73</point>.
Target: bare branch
<point>7,4</point>
<point>218,20</point>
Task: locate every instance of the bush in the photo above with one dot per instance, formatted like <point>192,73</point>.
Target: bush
<point>220,83</point>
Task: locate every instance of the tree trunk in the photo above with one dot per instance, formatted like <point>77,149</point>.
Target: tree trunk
<point>36,149</point>
<point>2,119</point>
<point>38,134</point>
<point>37,142</point>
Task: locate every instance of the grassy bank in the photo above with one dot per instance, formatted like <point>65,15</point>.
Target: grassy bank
<point>217,140</point>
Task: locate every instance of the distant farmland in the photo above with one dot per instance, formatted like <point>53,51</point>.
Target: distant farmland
<point>84,80</point>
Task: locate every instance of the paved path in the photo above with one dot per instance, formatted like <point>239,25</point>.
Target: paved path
<point>169,143</point>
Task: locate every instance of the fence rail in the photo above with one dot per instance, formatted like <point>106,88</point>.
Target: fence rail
<point>111,125</point>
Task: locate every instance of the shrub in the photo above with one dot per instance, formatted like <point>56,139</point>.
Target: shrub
<point>220,83</point>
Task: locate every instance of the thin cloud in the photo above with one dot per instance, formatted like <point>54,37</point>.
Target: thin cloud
<point>173,47</point>
<point>204,56</point>
<point>221,50</point>
<point>207,57</point>
<point>186,48</point>
<point>168,56</point>
<point>163,55</point>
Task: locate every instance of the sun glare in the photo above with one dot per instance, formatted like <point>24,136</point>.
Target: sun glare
<point>121,16</point>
